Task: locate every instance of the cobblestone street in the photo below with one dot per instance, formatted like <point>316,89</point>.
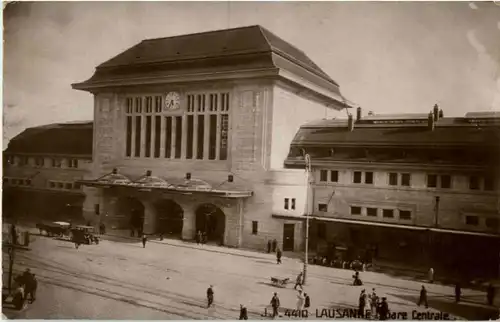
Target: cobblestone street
<point>121,280</point>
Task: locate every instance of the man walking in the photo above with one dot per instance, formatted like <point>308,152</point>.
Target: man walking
<point>243,312</point>
<point>423,297</point>
<point>210,296</point>
<point>275,303</point>
<point>298,281</point>
<point>144,240</point>
<point>300,301</point>
<point>278,256</point>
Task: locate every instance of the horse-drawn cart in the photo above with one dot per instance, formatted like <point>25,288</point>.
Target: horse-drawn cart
<point>280,282</point>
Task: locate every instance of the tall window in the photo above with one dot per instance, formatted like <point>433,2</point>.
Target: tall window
<point>128,150</point>
<point>393,179</point>
<point>168,136</point>
<point>323,175</point>
<point>474,183</point>
<point>201,136</point>
<point>334,176</point>
<point>178,136</point>
<point>212,139</point>
<point>357,177</point>
<point>157,136</point>
<point>148,134</point>
<point>190,137</point>
<point>369,177</point>
<point>138,128</point>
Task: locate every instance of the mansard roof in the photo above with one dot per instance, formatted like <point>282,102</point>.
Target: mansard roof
<point>72,138</point>
<point>245,49</point>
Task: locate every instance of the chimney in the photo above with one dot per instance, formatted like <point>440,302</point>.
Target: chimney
<point>115,171</point>
<point>441,115</point>
<point>358,114</point>
<point>188,176</point>
<point>430,122</point>
<point>148,173</point>
<point>350,123</point>
<point>436,112</point>
<point>230,178</point>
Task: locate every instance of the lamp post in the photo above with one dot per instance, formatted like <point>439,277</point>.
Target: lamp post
<point>308,212</point>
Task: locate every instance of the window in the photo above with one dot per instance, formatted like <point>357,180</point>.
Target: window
<point>157,136</point>
<point>128,137</point>
<point>474,183</point>
<point>28,182</point>
<point>406,179</point>
<point>138,104</point>
<point>97,209</point>
<point>287,206</point>
<point>39,162</point>
<point>321,230</point>
<point>489,183</point>
<point>73,163</point>
<point>201,137</point>
<point>255,226</point>
<point>138,130</point>
<point>158,104</point>
<point>357,177</point>
<point>23,161</point>
<point>293,203</point>
<point>355,210</point>
<point>369,177</point>
<point>77,185</point>
<point>149,125</point>
<point>388,213</point>
<point>190,137</point>
<point>393,179</point>
<point>405,215</point>
<point>323,207</point>
<point>492,223</point>
<point>178,136</point>
<point>446,181</point>
<point>224,129</point>
<point>52,184</point>
<point>472,220</point>
<point>68,185</point>
<point>212,137</point>
<point>334,176</point>
<point>372,212</point>
<point>431,180</point>
<point>6,180</point>
<point>130,105</point>
<point>149,104</point>
<point>323,175</point>
<point>168,137</point>
<point>60,185</point>
<point>56,163</point>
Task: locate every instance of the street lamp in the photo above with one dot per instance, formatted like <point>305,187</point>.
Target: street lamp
<point>308,202</point>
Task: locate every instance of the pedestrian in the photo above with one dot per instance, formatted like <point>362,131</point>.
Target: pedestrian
<point>278,256</point>
<point>362,304</point>
<point>458,292</point>
<point>13,233</point>
<point>102,228</point>
<point>31,286</point>
<point>307,301</point>
<point>383,309</point>
<point>431,275</point>
<point>373,303</point>
<point>243,312</point>
<point>161,236</point>
<point>210,296</point>
<point>423,297</point>
<point>144,240</point>
<point>204,237</point>
<point>490,294</point>
<point>300,301</point>
<point>77,244</point>
<point>275,245</point>
<point>275,304</point>
<point>269,246</point>
<point>198,237</point>
<point>298,281</point>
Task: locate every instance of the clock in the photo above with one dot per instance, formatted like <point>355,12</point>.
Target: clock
<point>172,101</point>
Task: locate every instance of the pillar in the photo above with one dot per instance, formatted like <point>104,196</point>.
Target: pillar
<point>189,224</point>
<point>149,226</point>
<point>234,224</point>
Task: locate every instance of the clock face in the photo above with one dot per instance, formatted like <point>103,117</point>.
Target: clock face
<point>172,101</point>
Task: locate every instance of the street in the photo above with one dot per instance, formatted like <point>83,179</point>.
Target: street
<point>119,279</point>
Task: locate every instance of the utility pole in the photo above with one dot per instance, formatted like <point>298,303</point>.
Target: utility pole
<point>308,213</point>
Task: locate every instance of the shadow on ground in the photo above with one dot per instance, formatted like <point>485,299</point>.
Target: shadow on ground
<point>469,311</point>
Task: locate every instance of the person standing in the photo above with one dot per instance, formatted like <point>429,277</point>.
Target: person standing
<point>490,294</point>
<point>269,246</point>
<point>243,312</point>
<point>198,237</point>
<point>275,245</point>
<point>275,304</point>
<point>144,240</point>
<point>278,256</point>
<point>431,275</point>
<point>13,233</point>
<point>423,297</point>
<point>298,281</point>
<point>373,303</point>
<point>307,301</point>
<point>300,301</point>
<point>458,292</point>
<point>210,296</point>
<point>383,309</point>
<point>362,304</point>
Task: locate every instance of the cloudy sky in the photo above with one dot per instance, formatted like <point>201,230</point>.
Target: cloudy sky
<point>387,57</point>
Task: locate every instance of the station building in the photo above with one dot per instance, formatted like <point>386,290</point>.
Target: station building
<point>420,190</point>
<point>191,133</point>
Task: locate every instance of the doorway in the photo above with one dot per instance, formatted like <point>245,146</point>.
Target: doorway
<point>211,221</point>
<point>169,218</point>
<point>132,209</point>
<point>288,237</point>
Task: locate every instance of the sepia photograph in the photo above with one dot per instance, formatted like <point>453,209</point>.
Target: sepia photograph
<point>251,160</point>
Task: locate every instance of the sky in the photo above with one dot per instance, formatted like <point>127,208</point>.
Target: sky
<point>388,57</point>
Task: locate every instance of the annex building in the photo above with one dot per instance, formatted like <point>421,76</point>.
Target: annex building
<point>191,134</point>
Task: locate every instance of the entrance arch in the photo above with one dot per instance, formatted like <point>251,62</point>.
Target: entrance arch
<point>211,220</point>
<point>169,218</point>
<point>133,209</point>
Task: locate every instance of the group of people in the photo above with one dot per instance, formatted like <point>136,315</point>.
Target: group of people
<point>26,289</point>
<point>201,237</point>
<point>378,308</point>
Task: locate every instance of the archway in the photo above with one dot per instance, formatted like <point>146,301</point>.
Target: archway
<point>211,220</point>
<point>132,209</point>
<point>169,218</point>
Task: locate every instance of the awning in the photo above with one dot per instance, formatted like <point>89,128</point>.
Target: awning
<point>388,225</point>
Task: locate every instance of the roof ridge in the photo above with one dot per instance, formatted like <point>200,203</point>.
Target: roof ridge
<point>201,33</point>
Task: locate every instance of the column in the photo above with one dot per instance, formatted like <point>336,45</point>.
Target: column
<point>153,135</point>
<point>195,136</point>
<point>143,136</point>
<point>184,137</point>
<point>206,137</point>
<point>234,224</point>
<point>189,224</point>
<point>132,154</point>
<point>217,138</point>
<point>162,136</point>
<point>174,138</point>
<point>149,217</point>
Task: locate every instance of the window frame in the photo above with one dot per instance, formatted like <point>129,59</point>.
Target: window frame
<point>352,208</point>
<point>255,227</point>
<point>408,176</point>
<point>322,206</point>
<point>354,177</point>
<point>323,175</point>
<point>393,178</point>
<point>474,222</point>
<point>334,178</point>
<point>401,211</point>
<point>372,177</point>
<point>368,212</point>
<point>391,212</point>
